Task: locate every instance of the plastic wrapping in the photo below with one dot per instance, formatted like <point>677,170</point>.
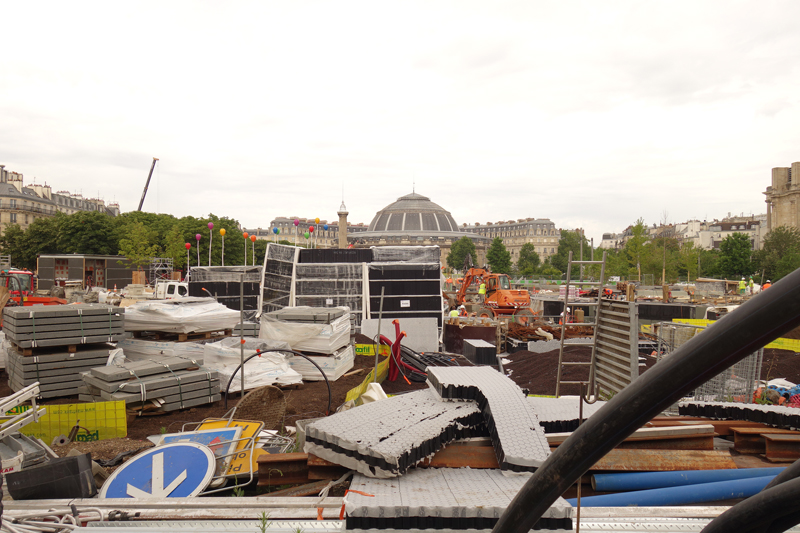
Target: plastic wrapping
<point>407,254</point>
<point>184,315</point>
<point>226,273</point>
<point>334,366</point>
<point>269,368</point>
<point>318,338</point>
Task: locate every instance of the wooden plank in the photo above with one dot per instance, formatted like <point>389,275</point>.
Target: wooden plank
<point>751,440</point>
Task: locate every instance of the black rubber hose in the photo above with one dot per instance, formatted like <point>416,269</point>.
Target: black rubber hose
<point>790,472</point>
<point>774,507</point>
<point>738,334</point>
<point>328,383</point>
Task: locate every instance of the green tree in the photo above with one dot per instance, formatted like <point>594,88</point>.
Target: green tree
<point>139,246</point>
<point>735,253</point>
<point>498,257</point>
<point>458,251</point>
<point>570,241</point>
<point>688,260</point>
<point>88,232</point>
<point>635,249</point>
<point>13,242</point>
<point>175,247</point>
<point>528,261</point>
<point>779,256</point>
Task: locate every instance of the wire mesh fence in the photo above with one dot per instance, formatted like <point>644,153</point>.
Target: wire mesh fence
<point>735,384</point>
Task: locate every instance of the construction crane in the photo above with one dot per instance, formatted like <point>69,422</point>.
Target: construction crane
<point>146,185</point>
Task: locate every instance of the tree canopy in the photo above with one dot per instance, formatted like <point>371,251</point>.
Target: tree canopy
<point>570,241</point>
<point>498,257</point>
<point>528,261</point>
<point>458,251</point>
<point>780,254</point>
<point>735,254</point>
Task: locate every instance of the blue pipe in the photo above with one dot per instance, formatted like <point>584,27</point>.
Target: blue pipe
<point>704,492</point>
<point>660,480</point>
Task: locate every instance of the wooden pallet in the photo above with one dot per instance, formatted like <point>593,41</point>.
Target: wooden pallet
<point>182,337</point>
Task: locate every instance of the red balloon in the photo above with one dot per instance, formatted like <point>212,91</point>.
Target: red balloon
<point>188,245</point>
<point>253,238</point>
<point>245,234</point>
<point>311,229</point>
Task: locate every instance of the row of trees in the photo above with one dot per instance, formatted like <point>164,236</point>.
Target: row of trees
<point>659,259</point>
<point>136,235</point>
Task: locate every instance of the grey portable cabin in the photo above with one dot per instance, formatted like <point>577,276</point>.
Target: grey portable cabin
<point>95,270</point>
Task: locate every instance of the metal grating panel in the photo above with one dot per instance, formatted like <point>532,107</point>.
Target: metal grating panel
<point>617,352</point>
<point>412,222</point>
<point>429,222</point>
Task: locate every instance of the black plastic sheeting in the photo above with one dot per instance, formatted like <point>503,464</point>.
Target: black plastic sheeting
<point>401,523</point>
<point>335,255</point>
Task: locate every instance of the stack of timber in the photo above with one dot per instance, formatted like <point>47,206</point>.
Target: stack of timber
<point>53,344</point>
<point>150,387</point>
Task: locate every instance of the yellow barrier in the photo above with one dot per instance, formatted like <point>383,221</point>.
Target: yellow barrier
<point>356,392</point>
<point>793,345</point>
<point>103,420</point>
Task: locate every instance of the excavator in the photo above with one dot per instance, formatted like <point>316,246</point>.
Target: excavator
<point>500,298</point>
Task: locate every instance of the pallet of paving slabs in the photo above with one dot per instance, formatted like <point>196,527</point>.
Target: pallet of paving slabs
<point>152,382</point>
<point>55,364</point>
<point>58,389</point>
<point>164,407</point>
<point>139,369</point>
<point>186,390</point>
<point>62,325</point>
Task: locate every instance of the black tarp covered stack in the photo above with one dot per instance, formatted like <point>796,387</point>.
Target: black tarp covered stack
<point>226,284</point>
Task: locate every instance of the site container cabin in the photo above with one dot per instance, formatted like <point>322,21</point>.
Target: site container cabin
<point>105,271</point>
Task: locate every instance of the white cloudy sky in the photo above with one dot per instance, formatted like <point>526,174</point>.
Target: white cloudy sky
<point>592,114</point>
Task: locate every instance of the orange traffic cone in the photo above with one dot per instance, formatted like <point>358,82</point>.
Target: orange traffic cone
<point>115,286</point>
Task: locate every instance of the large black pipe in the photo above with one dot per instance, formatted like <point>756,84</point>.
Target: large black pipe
<point>772,509</point>
<point>753,325</point>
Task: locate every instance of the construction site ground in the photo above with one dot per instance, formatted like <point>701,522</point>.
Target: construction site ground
<point>533,371</point>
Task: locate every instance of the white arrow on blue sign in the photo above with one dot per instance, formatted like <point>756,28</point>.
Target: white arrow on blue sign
<point>171,471</point>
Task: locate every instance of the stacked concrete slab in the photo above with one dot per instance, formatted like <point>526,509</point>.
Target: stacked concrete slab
<point>154,386</point>
<point>441,498</point>
<point>384,439</point>
<point>53,344</point>
<point>561,415</point>
<point>519,441</point>
<point>58,372</point>
<point>40,326</point>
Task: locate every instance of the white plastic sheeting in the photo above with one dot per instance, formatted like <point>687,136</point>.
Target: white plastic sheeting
<point>185,315</point>
<point>301,336</point>
<point>406,254</point>
<point>334,366</point>
<point>267,369</point>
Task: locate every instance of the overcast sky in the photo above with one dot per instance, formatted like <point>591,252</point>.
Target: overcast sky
<point>592,114</point>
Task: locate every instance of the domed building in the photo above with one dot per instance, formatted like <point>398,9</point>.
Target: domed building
<point>414,220</point>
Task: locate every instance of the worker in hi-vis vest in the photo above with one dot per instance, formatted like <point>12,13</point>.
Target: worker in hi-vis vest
<point>454,312</point>
<point>482,291</point>
<point>742,286</point>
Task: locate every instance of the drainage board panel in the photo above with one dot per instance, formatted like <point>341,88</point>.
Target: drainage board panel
<point>774,415</point>
<point>440,498</point>
<point>518,439</point>
<point>384,439</point>
<point>560,415</point>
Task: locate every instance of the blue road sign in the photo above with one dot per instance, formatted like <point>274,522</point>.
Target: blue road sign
<point>170,471</point>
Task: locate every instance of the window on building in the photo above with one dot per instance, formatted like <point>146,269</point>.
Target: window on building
<point>12,203</point>
<point>12,218</point>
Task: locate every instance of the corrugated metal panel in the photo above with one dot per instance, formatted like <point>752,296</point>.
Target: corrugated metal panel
<point>617,358</point>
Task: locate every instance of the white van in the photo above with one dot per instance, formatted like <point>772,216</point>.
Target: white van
<point>168,290</point>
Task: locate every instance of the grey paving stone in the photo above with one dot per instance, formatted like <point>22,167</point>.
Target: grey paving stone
<point>385,438</point>
<point>456,498</point>
<point>518,439</point>
<point>557,415</point>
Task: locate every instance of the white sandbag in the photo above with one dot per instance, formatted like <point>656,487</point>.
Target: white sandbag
<point>184,315</point>
<point>267,369</point>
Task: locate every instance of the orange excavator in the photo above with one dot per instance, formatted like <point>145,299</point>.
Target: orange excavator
<point>500,298</point>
